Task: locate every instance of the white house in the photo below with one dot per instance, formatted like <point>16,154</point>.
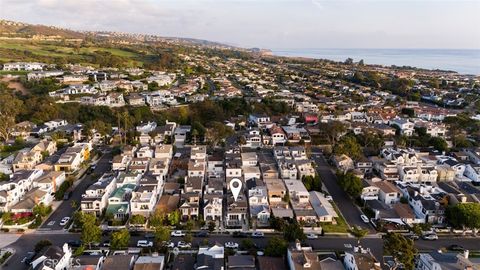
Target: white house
<point>406,127</point>
<point>95,198</point>
<point>472,171</point>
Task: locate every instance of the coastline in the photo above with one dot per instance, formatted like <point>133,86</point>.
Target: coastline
<point>462,61</point>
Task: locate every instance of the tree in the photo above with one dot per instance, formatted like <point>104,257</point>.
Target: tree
<point>42,244</point>
<point>174,218</point>
<point>137,219</point>
<point>247,244</point>
<point>157,219</point>
<point>350,183</point>
<point>162,234</point>
<point>211,226</point>
<point>74,204</point>
<point>276,247</point>
<point>401,248</point>
<point>408,111</point>
<point>332,130</point>
<point>9,109</point>
<point>91,233</point>
<point>293,231</point>
<point>194,135</point>
<point>188,238</point>
<point>312,182</point>
<point>438,143</point>
<point>349,146</point>
<point>358,233</point>
<point>42,210</point>
<point>277,223</point>
<point>120,239</point>
<point>464,215</point>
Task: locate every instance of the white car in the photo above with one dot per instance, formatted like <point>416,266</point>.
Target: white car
<point>64,221</point>
<point>258,234</point>
<point>431,236</point>
<point>169,244</point>
<point>177,234</point>
<point>231,245</point>
<point>312,236</point>
<point>364,218</point>
<point>183,244</point>
<point>144,243</point>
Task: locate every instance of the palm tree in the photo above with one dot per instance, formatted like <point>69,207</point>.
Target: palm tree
<point>194,135</point>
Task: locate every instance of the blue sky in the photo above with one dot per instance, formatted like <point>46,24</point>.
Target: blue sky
<point>271,23</point>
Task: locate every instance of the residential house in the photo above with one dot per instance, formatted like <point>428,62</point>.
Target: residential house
<point>143,200</point>
<point>323,208</point>
<point>360,259</point>
<point>95,198</point>
<point>343,162</point>
<point>300,258</point>
<point>13,190</point>
<point>404,125</point>
<point>211,258</point>
<point>153,262</point>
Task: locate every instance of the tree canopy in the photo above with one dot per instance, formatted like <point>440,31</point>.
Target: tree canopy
<point>464,215</point>
<point>401,248</point>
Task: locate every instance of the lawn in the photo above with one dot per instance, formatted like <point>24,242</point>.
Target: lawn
<point>51,49</point>
<point>340,227</point>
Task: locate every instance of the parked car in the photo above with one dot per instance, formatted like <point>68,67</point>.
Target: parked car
<point>231,245</point>
<point>74,243</point>
<point>258,234</point>
<point>239,235</point>
<point>456,248</point>
<point>144,243</point>
<point>312,236</point>
<point>106,243</point>
<point>168,244</point>
<point>64,221</point>
<point>29,257</point>
<point>177,234</point>
<point>183,244</point>
<point>149,235</point>
<point>201,234</point>
<point>364,218</point>
<point>413,236</point>
<point>430,236</point>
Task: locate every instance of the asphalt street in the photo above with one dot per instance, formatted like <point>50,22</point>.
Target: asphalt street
<point>375,244</point>
<point>347,207</point>
<point>65,209</point>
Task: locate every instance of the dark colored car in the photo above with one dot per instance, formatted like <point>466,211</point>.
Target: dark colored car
<point>456,248</point>
<point>149,235</point>
<point>201,234</point>
<point>29,257</point>
<point>239,235</point>
<point>74,243</point>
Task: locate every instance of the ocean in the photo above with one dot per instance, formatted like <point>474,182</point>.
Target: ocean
<point>461,61</point>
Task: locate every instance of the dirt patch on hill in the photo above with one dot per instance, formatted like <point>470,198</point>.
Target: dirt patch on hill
<point>12,82</point>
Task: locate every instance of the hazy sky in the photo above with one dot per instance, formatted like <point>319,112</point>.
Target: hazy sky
<point>270,23</point>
